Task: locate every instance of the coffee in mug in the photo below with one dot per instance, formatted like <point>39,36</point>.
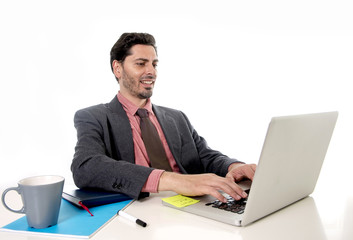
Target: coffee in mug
<point>41,198</point>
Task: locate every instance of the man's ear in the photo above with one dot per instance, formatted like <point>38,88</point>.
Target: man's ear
<point>116,68</point>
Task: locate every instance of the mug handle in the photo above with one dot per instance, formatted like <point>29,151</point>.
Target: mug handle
<point>17,189</point>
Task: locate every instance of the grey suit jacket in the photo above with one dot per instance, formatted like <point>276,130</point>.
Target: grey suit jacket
<point>104,154</point>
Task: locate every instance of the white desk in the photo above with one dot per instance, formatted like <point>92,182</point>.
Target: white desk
<point>315,218</point>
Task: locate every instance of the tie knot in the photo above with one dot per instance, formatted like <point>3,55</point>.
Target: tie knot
<point>142,113</point>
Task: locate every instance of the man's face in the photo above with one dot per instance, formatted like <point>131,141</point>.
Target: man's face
<point>137,74</point>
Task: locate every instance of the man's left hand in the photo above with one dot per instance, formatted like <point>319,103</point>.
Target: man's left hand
<point>240,171</point>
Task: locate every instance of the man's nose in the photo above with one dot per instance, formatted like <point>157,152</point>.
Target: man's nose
<point>150,69</point>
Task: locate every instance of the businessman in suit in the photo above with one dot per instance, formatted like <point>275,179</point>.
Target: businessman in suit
<point>111,153</point>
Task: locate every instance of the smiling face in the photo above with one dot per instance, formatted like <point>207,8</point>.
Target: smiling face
<point>137,73</point>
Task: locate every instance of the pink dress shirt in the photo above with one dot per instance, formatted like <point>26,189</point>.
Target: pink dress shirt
<point>141,157</point>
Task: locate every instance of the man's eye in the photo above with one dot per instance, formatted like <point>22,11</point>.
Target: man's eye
<point>155,65</point>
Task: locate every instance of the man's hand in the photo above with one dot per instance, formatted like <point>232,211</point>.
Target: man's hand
<point>200,184</point>
<point>240,171</point>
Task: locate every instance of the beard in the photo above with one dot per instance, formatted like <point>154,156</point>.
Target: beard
<point>133,86</point>
<point>145,94</point>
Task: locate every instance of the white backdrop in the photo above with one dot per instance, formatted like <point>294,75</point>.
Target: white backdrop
<point>229,65</point>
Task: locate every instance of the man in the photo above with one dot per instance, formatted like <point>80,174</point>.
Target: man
<point>112,154</point>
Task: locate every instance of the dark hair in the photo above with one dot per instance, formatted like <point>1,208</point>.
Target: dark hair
<point>121,48</point>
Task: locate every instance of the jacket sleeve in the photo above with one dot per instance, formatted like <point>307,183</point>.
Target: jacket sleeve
<point>94,165</point>
<point>212,161</point>
<point>189,149</point>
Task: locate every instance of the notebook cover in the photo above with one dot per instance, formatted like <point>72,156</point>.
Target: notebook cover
<point>90,197</point>
<point>73,221</point>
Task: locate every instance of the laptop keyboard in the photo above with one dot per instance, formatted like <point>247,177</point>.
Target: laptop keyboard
<point>231,205</point>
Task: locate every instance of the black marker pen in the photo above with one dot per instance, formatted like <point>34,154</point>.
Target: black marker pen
<point>129,217</point>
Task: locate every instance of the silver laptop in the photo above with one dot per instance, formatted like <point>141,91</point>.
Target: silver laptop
<point>288,169</point>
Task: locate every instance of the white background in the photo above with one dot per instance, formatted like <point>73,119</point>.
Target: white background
<point>229,65</point>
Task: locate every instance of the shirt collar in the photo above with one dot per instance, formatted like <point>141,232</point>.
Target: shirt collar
<point>132,108</point>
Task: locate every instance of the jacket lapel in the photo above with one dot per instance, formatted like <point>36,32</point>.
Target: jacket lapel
<point>122,128</point>
<point>171,133</point>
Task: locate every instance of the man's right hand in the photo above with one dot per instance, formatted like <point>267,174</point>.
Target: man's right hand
<point>200,184</point>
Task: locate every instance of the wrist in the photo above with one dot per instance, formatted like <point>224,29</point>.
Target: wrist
<point>166,181</point>
<point>234,165</point>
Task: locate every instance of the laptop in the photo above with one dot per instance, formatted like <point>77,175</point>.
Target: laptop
<point>288,169</point>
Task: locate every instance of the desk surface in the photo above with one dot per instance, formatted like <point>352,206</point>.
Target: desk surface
<point>315,217</point>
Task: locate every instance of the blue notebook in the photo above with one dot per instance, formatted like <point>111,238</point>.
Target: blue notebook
<point>73,221</point>
<point>91,197</point>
